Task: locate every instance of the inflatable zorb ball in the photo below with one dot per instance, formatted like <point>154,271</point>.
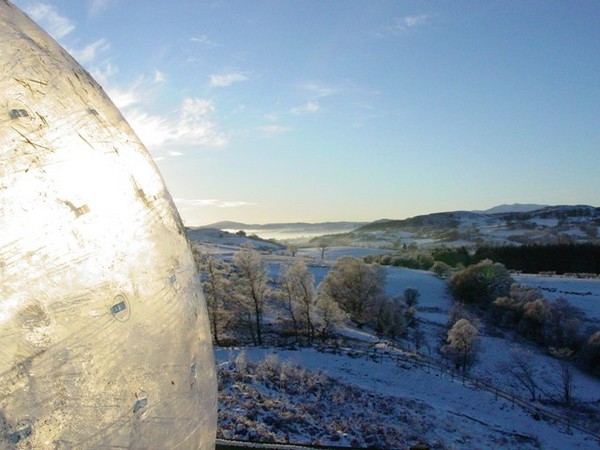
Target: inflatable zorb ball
<point>104,337</point>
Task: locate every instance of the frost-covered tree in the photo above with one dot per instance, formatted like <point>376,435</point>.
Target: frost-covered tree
<point>293,249</point>
<point>299,298</point>
<point>441,269</point>
<point>252,289</point>
<point>330,315</point>
<point>590,354</point>
<point>535,315</point>
<point>354,286</point>
<point>462,345</point>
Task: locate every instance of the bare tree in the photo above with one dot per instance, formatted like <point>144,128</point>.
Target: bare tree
<point>388,317</point>
<point>252,288</point>
<point>523,371</point>
<point>411,296</point>
<point>293,249</point>
<point>217,290</point>
<point>562,324</point>
<point>323,246</point>
<point>299,295</point>
<point>566,373</point>
<point>418,337</point>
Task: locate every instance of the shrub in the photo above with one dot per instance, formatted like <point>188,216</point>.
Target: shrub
<point>590,354</point>
<point>441,269</point>
<point>481,283</point>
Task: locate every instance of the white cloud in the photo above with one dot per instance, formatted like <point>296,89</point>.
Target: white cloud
<point>319,90</point>
<point>195,126</point>
<point>50,20</point>
<point>97,6</point>
<point>234,204</point>
<point>204,41</point>
<point>89,52</point>
<point>159,77</point>
<point>134,94</point>
<point>273,129</point>
<point>122,98</point>
<point>190,124</point>
<point>103,73</point>
<point>307,108</point>
<point>192,127</point>
<point>412,21</point>
<point>404,24</point>
<point>227,79</point>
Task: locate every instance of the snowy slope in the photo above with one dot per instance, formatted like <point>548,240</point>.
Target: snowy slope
<point>450,415</point>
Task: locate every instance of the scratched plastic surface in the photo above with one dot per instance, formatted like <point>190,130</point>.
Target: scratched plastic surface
<point>104,340</point>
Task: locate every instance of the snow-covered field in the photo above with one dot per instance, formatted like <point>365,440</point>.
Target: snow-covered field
<point>580,292</point>
<point>333,253</point>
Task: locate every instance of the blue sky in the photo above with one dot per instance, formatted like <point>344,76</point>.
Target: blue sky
<point>310,110</point>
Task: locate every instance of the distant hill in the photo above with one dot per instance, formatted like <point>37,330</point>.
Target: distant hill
<point>514,207</point>
<point>508,225</point>
<point>516,224</point>
<point>228,225</point>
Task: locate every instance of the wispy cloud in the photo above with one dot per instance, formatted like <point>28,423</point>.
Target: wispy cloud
<point>199,203</point>
<point>122,97</point>
<point>102,73</point>
<point>307,108</point>
<point>191,126</point>
<point>204,41</point>
<point>88,54</point>
<point>97,6</point>
<point>319,90</point>
<point>405,24</point>
<point>273,129</point>
<point>159,77</point>
<point>47,16</point>
<point>227,79</point>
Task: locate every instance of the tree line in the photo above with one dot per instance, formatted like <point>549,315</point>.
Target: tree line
<point>559,258</point>
<point>240,294</point>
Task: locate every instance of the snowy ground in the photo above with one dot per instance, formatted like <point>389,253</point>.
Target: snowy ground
<point>333,253</point>
<point>450,415</point>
